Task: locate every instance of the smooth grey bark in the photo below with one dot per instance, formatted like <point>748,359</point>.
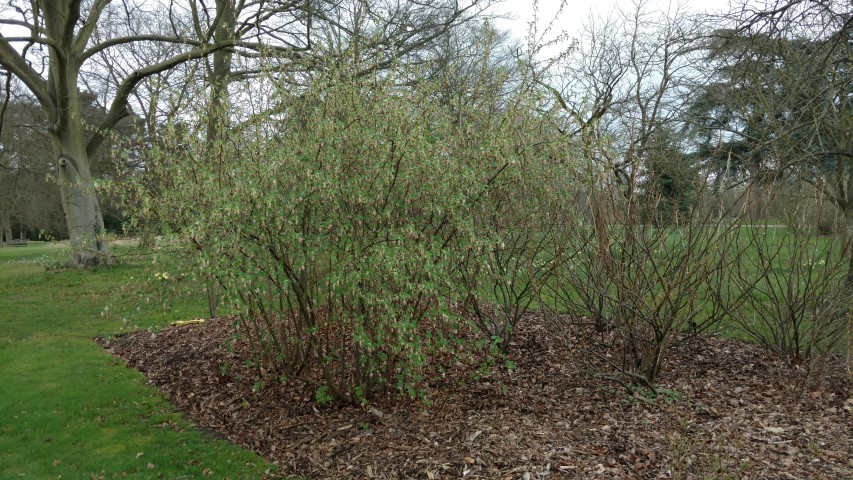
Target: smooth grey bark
<point>83,216</point>
<point>79,201</point>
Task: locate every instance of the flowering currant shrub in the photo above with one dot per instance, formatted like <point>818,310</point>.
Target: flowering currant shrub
<point>337,227</point>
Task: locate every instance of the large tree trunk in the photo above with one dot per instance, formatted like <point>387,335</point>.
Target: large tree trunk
<point>5,228</point>
<point>82,211</point>
<point>71,153</point>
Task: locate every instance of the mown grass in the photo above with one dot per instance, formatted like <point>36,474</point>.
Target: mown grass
<point>70,410</point>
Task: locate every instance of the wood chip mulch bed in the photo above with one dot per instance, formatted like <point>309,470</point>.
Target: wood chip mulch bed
<point>729,410</point>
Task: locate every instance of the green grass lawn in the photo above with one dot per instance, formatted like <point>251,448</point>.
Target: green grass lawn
<point>70,410</point>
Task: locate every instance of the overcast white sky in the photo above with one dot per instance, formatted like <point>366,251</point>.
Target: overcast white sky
<point>576,12</point>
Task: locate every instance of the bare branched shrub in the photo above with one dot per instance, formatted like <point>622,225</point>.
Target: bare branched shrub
<point>652,282</point>
<point>796,298</point>
<point>517,252</point>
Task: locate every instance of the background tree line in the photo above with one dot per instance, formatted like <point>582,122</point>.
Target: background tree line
<point>677,95</point>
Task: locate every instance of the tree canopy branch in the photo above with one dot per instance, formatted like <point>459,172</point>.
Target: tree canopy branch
<point>17,65</point>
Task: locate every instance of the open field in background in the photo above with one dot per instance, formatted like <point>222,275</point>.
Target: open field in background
<point>70,410</point>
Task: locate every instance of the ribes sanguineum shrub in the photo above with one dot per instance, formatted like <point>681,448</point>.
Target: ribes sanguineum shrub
<point>337,226</point>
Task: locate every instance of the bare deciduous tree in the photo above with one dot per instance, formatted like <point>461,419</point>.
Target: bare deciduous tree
<point>54,43</point>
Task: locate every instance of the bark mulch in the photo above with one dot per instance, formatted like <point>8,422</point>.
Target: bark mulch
<point>727,410</point>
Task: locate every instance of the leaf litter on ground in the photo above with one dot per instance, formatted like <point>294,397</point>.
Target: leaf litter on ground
<point>733,411</point>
